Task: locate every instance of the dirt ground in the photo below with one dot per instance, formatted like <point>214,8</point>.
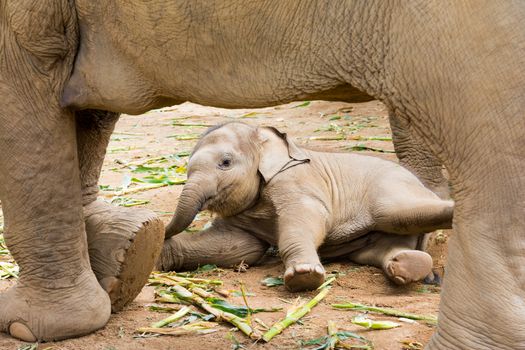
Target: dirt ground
<point>337,127</point>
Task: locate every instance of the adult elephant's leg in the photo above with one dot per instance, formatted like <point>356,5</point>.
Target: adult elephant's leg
<point>486,255</point>
<point>414,155</point>
<point>221,244</point>
<point>124,243</point>
<point>57,295</point>
<point>397,256</point>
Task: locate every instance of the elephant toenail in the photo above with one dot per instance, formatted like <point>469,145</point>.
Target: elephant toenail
<point>319,269</point>
<point>111,286</point>
<point>22,332</point>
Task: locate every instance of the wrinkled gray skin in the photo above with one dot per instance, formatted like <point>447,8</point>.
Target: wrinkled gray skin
<point>450,72</point>
<point>267,191</point>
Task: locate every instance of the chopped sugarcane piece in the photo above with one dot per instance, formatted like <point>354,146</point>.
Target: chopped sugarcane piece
<point>295,315</point>
<point>8,270</point>
<point>374,324</point>
<point>172,318</point>
<point>386,311</point>
<point>328,281</point>
<point>202,327</point>
<point>184,294</point>
<point>332,335</point>
<point>170,279</point>
<point>162,308</point>
<point>166,297</point>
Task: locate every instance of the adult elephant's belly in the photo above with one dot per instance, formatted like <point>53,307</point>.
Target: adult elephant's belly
<point>137,55</point>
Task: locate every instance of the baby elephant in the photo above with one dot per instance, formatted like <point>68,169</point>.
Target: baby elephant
<point>268,191</point>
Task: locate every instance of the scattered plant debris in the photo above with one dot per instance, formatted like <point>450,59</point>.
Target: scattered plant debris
<point>385,311</point>
<point>273,281</point>
<point>294,314</point>
<point>335,340</point>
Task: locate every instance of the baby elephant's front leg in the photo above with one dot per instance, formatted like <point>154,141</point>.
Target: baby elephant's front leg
<point>222,244</point>
<point>301,232</point>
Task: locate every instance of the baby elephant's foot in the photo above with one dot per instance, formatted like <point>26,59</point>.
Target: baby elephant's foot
<point>408,266</point>
<point>303,277</point>
<point>41,314</point>
<point>124,245</point>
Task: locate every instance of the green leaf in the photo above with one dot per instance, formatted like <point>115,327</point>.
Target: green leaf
<point>237,310</point>
<point>273,281</point>
<point>335,117</point>
<point>366,148</point>
<point>206,268</point>
<point>238,293</point>
<point>304,104</point>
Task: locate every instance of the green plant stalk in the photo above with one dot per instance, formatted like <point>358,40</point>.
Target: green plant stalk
<point>249,316</point>
<point>293,317</point>
<point>238,322</point>
<point>389,312</point>
<point>172,318</point>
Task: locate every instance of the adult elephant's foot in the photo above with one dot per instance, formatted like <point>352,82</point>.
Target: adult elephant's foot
<point>33,314</point>
<point>124,245</point>
<point>408,266</point>
<point>300,277</point>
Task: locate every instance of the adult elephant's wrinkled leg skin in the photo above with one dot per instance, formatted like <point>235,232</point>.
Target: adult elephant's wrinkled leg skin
<point>124,243</point>
<point>57,295</point>
<point>221,244</point>
<point>414,155</point>
<point>397,256</point>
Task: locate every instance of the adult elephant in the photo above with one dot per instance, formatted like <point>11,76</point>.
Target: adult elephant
<point>451,73</point>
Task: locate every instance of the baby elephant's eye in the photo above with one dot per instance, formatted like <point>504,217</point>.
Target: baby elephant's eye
<point>225,162</point>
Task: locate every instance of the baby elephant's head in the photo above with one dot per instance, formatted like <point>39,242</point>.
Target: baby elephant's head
<point>227,168</point>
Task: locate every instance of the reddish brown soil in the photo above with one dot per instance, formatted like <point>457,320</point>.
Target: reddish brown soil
<point>139,138</point>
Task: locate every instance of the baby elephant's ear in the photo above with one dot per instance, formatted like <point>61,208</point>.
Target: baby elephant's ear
<point>278,153</point>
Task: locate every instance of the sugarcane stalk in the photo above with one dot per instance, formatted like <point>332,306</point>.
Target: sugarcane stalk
<point>326,283</point>
<point>238,322</point>
<point>332,334</point>
<point>172,280</point>
<point>201,292</point>
<point>172,318</point>
<point>389,312</point>
<point>192,328</point>
<point>294,316</point>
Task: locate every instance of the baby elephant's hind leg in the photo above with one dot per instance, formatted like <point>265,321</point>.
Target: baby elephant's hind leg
<point>220,244</point>
<point>396,255</point>
<point>404,206</point>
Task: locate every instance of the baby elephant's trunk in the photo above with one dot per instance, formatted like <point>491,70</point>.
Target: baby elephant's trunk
<point>191,200</point>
